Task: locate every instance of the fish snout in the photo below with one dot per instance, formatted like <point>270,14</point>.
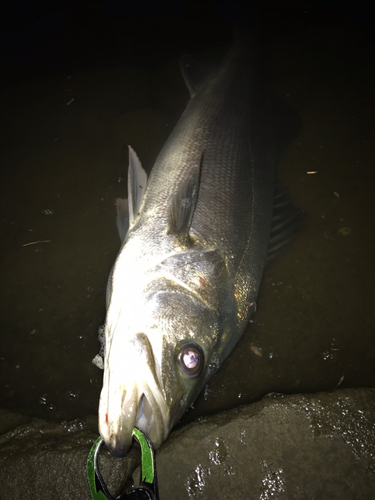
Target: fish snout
<point>138,409</point>
<point>132,399</point>
<point>117,415</point>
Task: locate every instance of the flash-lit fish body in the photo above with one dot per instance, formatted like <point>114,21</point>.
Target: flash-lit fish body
<point>187,276</point>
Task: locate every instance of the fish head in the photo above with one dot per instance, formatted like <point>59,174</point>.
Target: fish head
<point>157,360</point>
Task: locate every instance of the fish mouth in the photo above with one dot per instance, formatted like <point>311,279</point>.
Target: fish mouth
<point>128,402</point>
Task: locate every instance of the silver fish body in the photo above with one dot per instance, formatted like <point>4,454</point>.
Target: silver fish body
<point>187,276</point>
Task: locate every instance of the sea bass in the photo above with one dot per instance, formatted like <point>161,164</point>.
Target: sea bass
<point>196,238</point>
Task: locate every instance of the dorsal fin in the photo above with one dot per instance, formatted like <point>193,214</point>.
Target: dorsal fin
<point>137,181</point>
<point>195,73</point>
<point>128,209</point>
<point>286,222</point>
<point>122,219</point>
<point>181,209</point>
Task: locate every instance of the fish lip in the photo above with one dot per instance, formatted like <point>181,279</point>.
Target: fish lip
<point>119,448</point>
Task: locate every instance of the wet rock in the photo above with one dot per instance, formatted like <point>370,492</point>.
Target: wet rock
<point>283,447</point>
<point>318,446</point>
<point>43,460</point>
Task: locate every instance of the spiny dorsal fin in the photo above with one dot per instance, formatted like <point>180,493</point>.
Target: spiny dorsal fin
<point>195,73</point>
<point>122,218</point>
<point>181,209</point>
<point>286,222</point>
<point>137,181</point>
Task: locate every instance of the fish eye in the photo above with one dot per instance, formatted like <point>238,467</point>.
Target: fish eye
<point>190,359</point>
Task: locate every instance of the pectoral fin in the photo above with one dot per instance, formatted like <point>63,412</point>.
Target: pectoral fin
<point>286,222</point>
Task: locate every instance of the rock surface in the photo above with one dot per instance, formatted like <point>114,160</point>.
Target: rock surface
<point>286,447</point>
<point>283,447</point>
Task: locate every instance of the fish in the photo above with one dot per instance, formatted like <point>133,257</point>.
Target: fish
<point>196,236</point>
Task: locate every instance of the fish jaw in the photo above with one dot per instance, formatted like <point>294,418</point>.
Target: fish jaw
<point>131,398</point>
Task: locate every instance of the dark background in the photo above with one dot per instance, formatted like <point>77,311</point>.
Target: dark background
<point>43,37</point>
